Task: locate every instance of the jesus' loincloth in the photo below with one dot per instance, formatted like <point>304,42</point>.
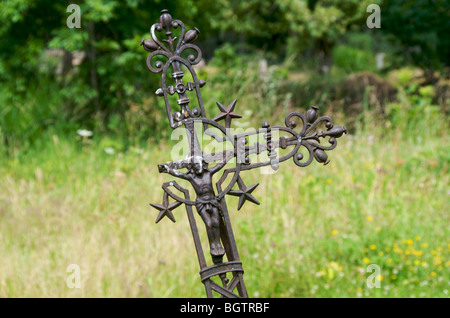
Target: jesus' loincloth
<point>207,205</point>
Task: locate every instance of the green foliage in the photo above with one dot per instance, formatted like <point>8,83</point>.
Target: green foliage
<point>23,119</point>
<point>415,111</point>
<point>226,56</point>
<point>422,26</point>
<point>355,53</point>
<point>107,82</point>
<point>405,75</point>
<point>257,89</point>
<point>322,23</point>
<point>351,59</point>
<point>75,202</point>
<point>111,86</point>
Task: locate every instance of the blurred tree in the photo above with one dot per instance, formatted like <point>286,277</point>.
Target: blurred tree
<point>422,26</point>
<point>319,24</point>
<point>262,24</point>
<point>110,35</point>
<point>106,82</point>
<point>289,27</point>
<point>109,81</point>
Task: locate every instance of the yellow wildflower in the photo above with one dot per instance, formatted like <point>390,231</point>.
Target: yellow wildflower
<point>334,232</point>
<point>417,238</point>
<point>409,242</point>
<point>373,247</point>
<point>369,218</point>
<point>424,244</point>
<point>366,260</point>
<point>330,273</point>
<point>335,266</point>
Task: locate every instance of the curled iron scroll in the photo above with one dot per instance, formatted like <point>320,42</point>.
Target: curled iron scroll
<point>156,47</point>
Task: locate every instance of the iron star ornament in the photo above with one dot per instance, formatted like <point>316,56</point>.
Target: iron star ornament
<point>227,113</point>
<point>244,193</point>
<point>165,209</point>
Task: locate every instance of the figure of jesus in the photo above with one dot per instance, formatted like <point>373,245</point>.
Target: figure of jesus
<point>200,177</point>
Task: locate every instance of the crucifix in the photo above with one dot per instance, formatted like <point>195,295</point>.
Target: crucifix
<point>234,154</point>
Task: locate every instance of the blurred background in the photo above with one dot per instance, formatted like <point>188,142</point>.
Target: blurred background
<point>82,132</point>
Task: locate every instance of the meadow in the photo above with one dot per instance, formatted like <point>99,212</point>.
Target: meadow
<point>383,200</point>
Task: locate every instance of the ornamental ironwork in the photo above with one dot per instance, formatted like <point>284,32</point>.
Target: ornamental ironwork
<point>174,57</point>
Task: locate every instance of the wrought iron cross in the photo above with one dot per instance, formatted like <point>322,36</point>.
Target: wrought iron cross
<point>300,130</point>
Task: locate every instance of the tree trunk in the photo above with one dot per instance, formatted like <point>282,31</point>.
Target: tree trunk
<point>91,54</point>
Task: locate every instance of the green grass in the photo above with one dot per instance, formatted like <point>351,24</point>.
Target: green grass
<point>382,200</point>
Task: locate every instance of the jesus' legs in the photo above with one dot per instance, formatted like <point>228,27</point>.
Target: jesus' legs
<point>212,222</point>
